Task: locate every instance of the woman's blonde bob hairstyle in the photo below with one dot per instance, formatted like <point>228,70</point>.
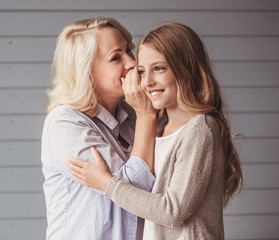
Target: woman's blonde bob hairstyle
<point>198,90</point>
<point>73,60</point>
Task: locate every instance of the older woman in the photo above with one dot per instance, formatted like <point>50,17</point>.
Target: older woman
<point>86,109</point>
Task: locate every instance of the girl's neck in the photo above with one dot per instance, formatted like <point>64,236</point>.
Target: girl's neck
<point>176,119</point>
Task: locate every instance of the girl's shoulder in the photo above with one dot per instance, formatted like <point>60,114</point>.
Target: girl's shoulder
<point>199,121</point>
<point>200,126</point>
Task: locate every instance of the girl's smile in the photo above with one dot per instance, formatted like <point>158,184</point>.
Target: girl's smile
<point>157,78</point>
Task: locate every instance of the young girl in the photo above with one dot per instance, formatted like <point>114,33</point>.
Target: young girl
<point>196,166</point>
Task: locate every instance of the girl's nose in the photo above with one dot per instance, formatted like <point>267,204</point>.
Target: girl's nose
<point>147,80</point>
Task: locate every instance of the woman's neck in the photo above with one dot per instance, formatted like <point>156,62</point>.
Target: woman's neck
<point>110,105</point>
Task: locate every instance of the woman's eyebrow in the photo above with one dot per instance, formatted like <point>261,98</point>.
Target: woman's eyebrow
<point>115,50</point>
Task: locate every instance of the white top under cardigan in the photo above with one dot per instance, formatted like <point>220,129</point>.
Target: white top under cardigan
<point>162,147</point>
<point>187,199</point>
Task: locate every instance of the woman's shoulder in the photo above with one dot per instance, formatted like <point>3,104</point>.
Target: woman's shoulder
<point>63,113</point>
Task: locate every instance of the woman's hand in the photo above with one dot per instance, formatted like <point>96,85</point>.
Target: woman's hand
<point>145,132</point>
<point>95,175</point>
<point>134,94</point>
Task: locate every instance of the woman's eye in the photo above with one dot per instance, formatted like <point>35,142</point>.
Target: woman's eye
<point>115,58</point>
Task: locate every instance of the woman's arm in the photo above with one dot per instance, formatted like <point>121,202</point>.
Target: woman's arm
<point>134,169</point>
<point>70,133</point>
<point>145,132</point>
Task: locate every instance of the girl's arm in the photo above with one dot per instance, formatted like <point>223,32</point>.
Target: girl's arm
<point>190,178</point>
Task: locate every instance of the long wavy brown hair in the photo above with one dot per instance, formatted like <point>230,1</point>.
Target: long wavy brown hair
<point>198,89</point>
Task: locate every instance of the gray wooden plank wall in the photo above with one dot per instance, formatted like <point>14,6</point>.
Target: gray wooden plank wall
<point>242,38</point>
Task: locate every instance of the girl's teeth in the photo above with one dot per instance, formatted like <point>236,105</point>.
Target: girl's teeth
<point>155,93</point>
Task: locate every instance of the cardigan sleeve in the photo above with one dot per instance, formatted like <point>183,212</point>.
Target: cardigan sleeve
<point>192,170</point>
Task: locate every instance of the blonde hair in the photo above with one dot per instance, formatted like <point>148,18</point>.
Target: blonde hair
<point>73,60</point>
<point>198,90</point>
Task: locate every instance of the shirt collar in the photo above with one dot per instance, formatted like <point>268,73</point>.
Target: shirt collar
<point>108,119</point>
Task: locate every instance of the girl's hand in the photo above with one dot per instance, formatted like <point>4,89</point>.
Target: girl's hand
<point>134,94</point>
<point>95,175</point>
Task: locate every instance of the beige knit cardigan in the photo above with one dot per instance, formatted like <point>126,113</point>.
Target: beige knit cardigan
<point>187,199</point>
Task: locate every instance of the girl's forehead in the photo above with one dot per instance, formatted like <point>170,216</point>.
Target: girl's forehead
<point>149,53</point>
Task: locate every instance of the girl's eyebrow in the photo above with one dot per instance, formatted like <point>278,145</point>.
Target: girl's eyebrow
<point>154,63</point>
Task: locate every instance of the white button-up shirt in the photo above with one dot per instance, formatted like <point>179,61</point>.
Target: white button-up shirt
<point>74,211</point>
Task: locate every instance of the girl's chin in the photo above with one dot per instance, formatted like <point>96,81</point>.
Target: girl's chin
<point>157,106</point>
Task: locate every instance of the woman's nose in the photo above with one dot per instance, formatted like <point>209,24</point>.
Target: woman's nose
<point>130,62</point>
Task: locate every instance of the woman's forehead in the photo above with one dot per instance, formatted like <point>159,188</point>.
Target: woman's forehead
<point>109,38</point>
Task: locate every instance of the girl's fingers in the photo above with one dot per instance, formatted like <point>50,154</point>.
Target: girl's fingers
<point>74,172</point>
<point>74,168</point>
<point>77,162</point>
<point>97,156</point>
<point>100,162</point>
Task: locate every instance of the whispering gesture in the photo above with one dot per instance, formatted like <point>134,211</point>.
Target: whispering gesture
<point>134,94</point>
<point>95,175</point>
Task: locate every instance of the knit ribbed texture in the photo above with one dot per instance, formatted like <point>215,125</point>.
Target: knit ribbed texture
<point>186,200</point>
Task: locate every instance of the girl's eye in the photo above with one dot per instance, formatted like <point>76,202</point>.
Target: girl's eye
<point>115,58</point>
<point>141,72</point>
<point>159,68</point>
